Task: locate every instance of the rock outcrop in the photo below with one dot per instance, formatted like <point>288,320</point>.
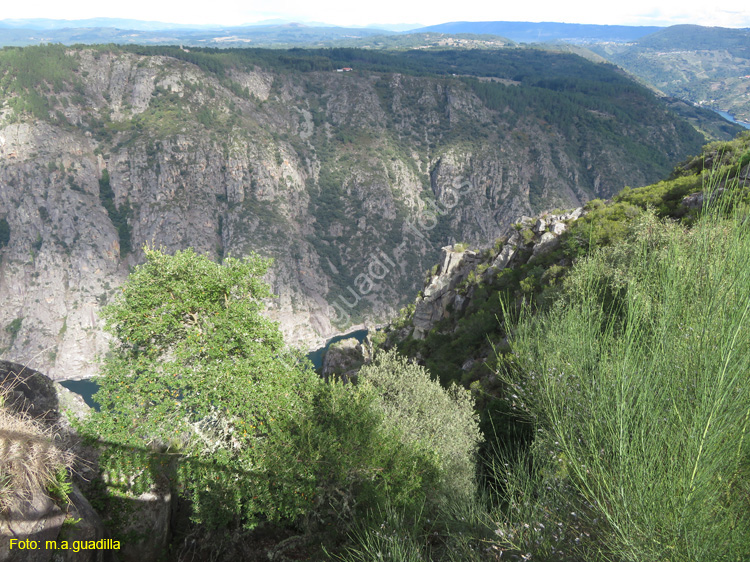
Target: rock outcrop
<point>344,358</point>
<point>447,292</point>
<point>440,296</point>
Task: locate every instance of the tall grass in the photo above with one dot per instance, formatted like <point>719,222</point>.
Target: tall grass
<point>638,383</point>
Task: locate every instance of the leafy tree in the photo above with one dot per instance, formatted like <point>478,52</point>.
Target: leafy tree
<point>195,368</point>
<point>198,389</point>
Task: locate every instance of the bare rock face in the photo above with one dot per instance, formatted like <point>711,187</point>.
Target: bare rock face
<point>38,519</point>
<point>351,183</point>
<point>33,393</point>
<point>439,295</point>
<point>547,242</point>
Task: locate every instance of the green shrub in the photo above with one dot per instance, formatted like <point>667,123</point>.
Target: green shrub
<point>60,487</point>
<point>636,383</point>
<point>118,215</point>
<point>4,233</point>
<point>14,327</point>
<point>429,417</point>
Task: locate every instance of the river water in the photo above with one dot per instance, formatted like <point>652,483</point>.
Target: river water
<point>87,388</point>
<point>731,119</point>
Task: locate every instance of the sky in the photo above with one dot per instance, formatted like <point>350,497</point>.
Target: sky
<point>728,13</point>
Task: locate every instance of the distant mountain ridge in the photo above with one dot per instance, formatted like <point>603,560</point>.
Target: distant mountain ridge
<point>120,23</point>
<point>679,37</point>
<point>117,30</point>
<point>134,32</point>
<point>287,33</point>
<point>706,65</point>
<point>540,32</point>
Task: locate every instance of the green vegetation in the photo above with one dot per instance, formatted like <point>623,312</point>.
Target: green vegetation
<point>28,76</point>
<point>618,409</point>
<point>199,394</point>
<point>4,232</point>
<point>635,385</point>
<point>618,405</point>
<point>13,328</point>
<point>118,215</point>
<point>60,487</point>
<point>425,414</point>
<point>711,124</point>
<point>688,61</point>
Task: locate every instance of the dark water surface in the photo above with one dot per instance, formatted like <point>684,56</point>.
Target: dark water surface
<point>317,356</point>
<point>87,388</point>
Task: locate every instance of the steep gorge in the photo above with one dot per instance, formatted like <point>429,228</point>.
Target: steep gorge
<point>351,181</point>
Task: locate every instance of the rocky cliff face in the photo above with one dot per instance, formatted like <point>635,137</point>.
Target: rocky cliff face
<point>447,291</point>
<point>351,181</point>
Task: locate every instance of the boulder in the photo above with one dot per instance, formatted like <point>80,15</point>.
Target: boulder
<point>558,227</point>
<point>37,519</point>
<point>345,357</point>
<point>540,226</point>
<point>546,243</point>
<point>31,394</point>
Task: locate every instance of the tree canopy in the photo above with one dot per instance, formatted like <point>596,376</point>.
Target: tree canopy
<point>198,390</point>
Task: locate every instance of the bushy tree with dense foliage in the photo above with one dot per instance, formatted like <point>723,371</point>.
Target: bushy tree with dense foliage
<point>426,415</point>
<point>196,369</point>
<point>199,390</point>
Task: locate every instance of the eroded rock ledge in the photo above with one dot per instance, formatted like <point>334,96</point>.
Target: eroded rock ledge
<point>443,294</point>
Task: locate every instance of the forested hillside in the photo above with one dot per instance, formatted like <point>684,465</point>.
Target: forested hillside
<point>706,65</point>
